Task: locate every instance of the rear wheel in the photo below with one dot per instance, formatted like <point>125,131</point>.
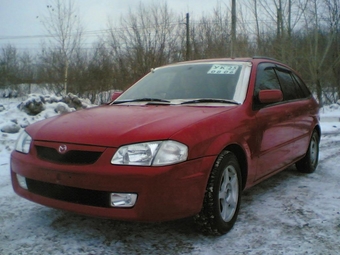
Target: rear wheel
<point>222,197</point>
<point>310,161</point>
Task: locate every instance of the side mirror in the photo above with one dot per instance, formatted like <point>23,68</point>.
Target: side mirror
<point>270,96</point>
<point>115,95</point>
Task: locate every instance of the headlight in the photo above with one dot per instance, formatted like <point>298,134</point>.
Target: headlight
<point>23,143</point>
<point>159,153</point>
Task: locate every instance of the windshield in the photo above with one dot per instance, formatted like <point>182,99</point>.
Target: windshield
<point>189,81</point>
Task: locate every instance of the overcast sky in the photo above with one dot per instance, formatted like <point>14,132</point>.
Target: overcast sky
<point>21,17</point>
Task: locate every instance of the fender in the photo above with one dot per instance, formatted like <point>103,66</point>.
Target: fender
<point>226,140</point>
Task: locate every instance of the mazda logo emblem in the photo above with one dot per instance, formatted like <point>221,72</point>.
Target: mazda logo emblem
<point>62,148</point>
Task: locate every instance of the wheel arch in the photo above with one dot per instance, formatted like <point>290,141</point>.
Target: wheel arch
<point>242,160</point>
<point>318,130</point>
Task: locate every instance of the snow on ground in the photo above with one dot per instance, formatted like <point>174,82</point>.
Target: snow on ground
<point>290,213</point>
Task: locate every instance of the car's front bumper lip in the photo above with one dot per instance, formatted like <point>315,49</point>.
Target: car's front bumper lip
<point>164,193</point>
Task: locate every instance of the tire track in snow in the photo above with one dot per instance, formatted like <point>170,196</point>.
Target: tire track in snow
<point>329,149</point>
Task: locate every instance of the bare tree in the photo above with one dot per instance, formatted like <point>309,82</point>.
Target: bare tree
<point>211,35</point>
<point>320,25</point>
<point>62,23</point>
<point>27,70</point>
<point>51,69</point>
<point>9,66</point>
<point>278,17</point>
<point>333,7</point>
<point>147,39</point>
<point>305,34</point>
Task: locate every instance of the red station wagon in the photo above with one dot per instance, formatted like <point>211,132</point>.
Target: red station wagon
<point>185,140</point>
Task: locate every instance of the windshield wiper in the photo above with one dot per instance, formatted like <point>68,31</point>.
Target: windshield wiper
<point>211,100</point>
<point>145,99</point>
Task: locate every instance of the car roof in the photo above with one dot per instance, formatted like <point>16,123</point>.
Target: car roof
<point>254,60</point>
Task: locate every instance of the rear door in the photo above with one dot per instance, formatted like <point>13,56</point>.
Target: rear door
<point>301,107</point>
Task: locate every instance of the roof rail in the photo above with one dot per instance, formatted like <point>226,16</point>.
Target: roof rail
<point>264,57</point>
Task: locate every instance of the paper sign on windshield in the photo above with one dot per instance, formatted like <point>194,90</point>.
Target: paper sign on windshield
<point>223,69</point>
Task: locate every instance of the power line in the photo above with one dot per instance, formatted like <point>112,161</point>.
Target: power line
<point>103,31</point>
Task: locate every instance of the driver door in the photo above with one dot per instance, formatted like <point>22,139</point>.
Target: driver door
<point>274,126</point>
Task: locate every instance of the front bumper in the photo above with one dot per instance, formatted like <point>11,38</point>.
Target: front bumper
<point>164,193</point>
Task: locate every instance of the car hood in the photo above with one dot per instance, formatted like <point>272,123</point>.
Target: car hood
<point>120,124</point>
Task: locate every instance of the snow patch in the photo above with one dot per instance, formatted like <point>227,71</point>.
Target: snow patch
<point>290,213</point>
<point>37,107</point>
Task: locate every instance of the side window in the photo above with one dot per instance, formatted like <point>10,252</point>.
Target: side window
<point>302,85</point>
<point>265,79</point>
<point>290,88</point>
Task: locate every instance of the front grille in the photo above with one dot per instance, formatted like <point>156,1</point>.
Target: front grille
<point>69,194</point>
<point>76,157</point>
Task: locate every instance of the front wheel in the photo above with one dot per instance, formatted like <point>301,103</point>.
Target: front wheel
<point>310,161</point>
<point>222,197</point>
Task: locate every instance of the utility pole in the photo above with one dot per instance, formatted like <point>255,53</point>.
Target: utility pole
<point>290,18</point>
<point>279,21</point>
<point>187,57</point>
<point>233,27</point>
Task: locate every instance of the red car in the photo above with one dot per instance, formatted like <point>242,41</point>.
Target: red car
<point>183,141</point>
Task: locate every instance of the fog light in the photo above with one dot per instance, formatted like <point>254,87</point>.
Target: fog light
<point>22,181</point>
<point>123,199</point>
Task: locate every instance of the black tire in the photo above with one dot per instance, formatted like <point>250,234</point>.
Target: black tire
<point>310,161</point>
<point>222,197</point>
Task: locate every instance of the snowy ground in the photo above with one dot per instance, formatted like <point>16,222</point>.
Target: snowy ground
<point>291,213</point>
